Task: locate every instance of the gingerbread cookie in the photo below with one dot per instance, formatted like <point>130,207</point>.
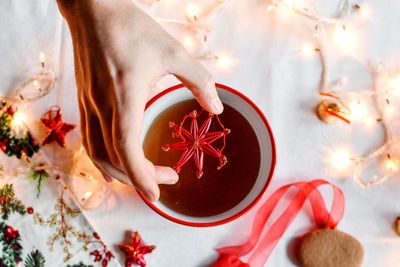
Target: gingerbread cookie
<point>330,248</point>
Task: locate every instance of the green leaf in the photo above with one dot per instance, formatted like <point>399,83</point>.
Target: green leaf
<point>35,259</point>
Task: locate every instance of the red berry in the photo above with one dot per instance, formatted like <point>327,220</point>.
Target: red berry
<point>109,255</point>
<point>95,252</point>
<point>98,258</point>
<point>29,210</point>
<point>104,263</point>
<point>10,110</point>
<point>57,177</point>
<point>96,235</point>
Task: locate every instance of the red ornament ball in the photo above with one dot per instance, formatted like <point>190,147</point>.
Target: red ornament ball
<point>29,210</point>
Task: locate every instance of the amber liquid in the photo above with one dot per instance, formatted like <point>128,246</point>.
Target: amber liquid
<point>217,190</point>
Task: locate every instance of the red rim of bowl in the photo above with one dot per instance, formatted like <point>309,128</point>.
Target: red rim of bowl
<point>255,201</point>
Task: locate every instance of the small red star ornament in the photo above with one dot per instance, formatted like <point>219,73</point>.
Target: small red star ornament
<point>134,254</point>
<point>198,141</point>
<point>56,129</point>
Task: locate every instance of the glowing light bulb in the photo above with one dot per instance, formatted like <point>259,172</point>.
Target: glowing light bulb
<point>86,195</point>
<point>42,59</point>
<point>369,122</point>
<point>17,124</point>
<point>364,12</point>
<point>307,50</point>
<point>394,85</point>
<point>344,38</point>
<point>188,42</point>
<point>289,3</point>
<point>192,11</point>
<point>18,120</point>
<point>358,111</point>
<point>36,84</point>
<point>392,165</point>
<point>340,159</point>
<point>284,12</point>
<point>225,61</point>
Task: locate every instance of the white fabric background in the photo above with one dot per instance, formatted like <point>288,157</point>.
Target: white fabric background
<point>273,74</point>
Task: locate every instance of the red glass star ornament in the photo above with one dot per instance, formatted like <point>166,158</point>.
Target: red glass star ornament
<point>56,128</point>
<point>198,141</point>
<point>134,254</point>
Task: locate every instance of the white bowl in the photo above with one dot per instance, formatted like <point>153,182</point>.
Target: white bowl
<point>264,135</point>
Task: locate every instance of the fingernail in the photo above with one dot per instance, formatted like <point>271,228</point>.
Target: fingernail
<point>217,105</point>
<point>173,179</point>
<point>150,196</point>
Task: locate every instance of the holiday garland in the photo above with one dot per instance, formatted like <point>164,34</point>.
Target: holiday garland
<point>11,249</point>
<point>65,233</point>
<point>9,203</point>
<point>10,143</point>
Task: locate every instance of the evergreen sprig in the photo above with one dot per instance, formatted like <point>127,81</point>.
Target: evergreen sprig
<point>35,259</point>
<point>9,203</point>
<point>38,176</point>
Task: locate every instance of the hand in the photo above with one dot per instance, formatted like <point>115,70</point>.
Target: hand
<point>120,53</point>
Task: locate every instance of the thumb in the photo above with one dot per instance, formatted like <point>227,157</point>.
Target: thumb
<point>198,80</point>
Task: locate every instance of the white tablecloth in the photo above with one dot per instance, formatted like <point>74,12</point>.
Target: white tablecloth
<point>271,71</point>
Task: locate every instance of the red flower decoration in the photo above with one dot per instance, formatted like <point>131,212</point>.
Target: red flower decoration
<point>198,141</point>
<point>135,253</point>
<point>10,232</point>
<point>56,128</point>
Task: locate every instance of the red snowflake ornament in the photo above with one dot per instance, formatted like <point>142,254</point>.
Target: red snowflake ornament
<point>56,128</point>
<point>198,141</point>
<point>134,254</point>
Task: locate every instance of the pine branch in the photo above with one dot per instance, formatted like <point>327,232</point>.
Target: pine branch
<point>38,176</point>
<point>35,259</point>
<point>9,203</point>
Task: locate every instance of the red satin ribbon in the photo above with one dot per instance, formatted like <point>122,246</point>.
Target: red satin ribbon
<point>229,256</point>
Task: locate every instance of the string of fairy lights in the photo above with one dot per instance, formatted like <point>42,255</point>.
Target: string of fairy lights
<point>337,104</point>
<point>35,88</point>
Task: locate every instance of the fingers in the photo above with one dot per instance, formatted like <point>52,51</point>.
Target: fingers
<point>166,175</point>
<point>197,79</point>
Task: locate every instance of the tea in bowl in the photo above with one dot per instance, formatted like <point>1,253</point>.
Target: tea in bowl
<point>230,170</point>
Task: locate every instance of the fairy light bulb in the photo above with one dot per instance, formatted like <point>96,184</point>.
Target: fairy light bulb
<point>188,43</point>
<point>18,120</point>
<point>307,50</point>
<point>392,165</point>
<point>358,110</point>
<point>86,195</point>
<point>224,61</point>
<point>17,124</point>
<point>284,12</point>
<point>364,12</point>
<point>340,159</point>
<point>42,58</point>
<point>394,85</point>
<point>192,11</point>
<point>344,38</point>
<point>289,3</point>
<point>369,122</point>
